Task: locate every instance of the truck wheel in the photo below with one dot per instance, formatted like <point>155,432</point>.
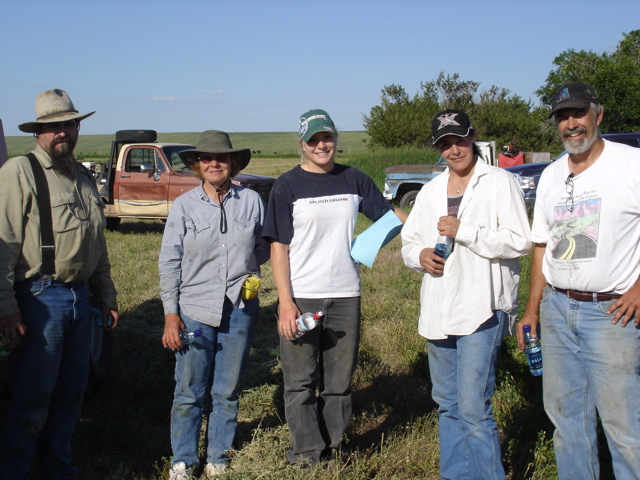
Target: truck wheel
<point>136,136</point>
<point>408,199</point>
<point>112,223</point>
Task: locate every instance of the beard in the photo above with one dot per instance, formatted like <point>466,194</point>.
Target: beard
<point>578,147</point>
<point>61,153</point>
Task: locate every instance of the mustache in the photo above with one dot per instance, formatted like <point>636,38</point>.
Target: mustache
<point>59,140</point>
<point>569,132</point>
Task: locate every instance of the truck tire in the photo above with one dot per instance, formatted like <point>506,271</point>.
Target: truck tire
<point>408,199</point>
<point>136,136</point>
<point>112,223</point>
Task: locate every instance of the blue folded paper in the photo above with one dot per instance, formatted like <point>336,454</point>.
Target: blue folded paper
<point>366,246</point>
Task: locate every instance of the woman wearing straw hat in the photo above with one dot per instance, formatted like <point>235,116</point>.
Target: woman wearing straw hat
<point>211,244</point>
<point>312,213</point>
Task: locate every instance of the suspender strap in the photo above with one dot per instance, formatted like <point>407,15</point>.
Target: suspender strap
<point>46,223</point>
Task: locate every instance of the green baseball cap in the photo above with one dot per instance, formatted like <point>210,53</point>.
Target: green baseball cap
<point>315,121</point>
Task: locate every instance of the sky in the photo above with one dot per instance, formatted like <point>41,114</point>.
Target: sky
<point>256,66</point>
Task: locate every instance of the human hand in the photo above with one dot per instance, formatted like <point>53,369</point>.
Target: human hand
<point>288,313</point>
<point>12,329</point>
<point>448,226</point>
<point>627,307</point>
<point>110,319</point>
<point>431,262</point>
<point>530,319</point>
<point>171,336</point>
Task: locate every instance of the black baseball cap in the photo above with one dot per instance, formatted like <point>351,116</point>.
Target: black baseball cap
<point>573,95</point>
<point>450,122</point>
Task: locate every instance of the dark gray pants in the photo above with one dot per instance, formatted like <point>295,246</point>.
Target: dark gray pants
<point>323,359</point>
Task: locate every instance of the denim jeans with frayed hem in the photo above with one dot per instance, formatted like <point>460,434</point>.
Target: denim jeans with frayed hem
<point>48,375</point>
<point>324,359</point>
<point>463,373</point>
<point>212,365</point>
<point>590,365</point>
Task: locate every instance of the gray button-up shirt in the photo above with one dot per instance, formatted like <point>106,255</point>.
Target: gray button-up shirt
<point>199,265</point>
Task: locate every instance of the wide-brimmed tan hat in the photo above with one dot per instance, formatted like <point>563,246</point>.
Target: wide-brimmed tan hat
<point>215,141</point>
<point>53,106</point>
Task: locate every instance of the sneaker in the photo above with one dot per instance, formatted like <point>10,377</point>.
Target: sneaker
<point>215,469</point>
<point>180,472</point>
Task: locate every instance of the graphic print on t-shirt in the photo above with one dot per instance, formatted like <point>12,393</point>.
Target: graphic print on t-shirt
<point>576,232</point>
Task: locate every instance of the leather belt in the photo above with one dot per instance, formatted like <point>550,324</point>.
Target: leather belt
<point>587,296</point>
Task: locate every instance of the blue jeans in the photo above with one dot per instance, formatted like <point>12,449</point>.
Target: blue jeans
<point>590,365</point>
<point>463,373</point>
<point>48,375</point>
<point>213,364</point>
<point>324,358</point>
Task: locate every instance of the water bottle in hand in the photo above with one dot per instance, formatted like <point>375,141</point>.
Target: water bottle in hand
<point>187,337</point>
<point>443,247</point>
<point>307,322</point>
<point>533,351</point>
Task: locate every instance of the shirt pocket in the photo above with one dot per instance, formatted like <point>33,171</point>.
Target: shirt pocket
<point>197,238</point>
<point>244,232</point>
<point>62,216</point>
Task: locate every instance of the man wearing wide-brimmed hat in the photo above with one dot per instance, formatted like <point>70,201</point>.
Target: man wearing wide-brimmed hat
<point>45,285</point>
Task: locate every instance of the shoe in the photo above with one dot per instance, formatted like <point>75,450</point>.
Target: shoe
<point>215,469</point>
<point>180,472</point>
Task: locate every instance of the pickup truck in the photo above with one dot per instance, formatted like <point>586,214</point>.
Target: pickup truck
<point>144,177</point>
<point>528,174</point>
<point>403,182</point>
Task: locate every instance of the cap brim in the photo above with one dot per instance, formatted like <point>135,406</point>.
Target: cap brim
<point>30,127</point>
<point>571,103</point>
<point>446,134</point>
<point>320,128</point>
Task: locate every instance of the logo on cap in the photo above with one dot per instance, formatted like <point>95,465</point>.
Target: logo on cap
<point>303,126</point>
<point>564,95</point>
<point>447,119</point>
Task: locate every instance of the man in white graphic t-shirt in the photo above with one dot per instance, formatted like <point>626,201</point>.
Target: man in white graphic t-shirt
<point>585,290</point>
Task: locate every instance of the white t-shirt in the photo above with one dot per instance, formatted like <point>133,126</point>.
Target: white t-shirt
<point>315,214</point>
<point>595,247</point>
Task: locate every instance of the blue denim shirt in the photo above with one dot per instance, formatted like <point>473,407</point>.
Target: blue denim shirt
<point>200,266</point>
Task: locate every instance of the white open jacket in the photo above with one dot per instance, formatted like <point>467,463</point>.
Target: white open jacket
<point>483,272</point>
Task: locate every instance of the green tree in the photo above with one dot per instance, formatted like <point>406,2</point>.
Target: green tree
<point>497,115</point>
<point>615,77</point>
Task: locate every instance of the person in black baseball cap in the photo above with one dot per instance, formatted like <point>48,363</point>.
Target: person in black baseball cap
<point>584,290</point>
<point>577,112</point>
<point>469,297</point>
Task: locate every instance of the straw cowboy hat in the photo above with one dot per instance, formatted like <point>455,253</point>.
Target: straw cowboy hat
<point>53,106</point>
<point>215,141</point>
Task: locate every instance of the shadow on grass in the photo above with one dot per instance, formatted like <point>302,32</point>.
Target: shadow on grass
<point>136,227</point>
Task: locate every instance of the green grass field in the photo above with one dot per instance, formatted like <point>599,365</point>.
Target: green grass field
<point>123,432</point>
<point>269,143</point>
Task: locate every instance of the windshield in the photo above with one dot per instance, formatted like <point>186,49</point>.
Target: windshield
<point>172,154</point>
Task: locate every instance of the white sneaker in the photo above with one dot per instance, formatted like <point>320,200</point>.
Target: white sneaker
<point>180,472</point>
<point>215,469</point>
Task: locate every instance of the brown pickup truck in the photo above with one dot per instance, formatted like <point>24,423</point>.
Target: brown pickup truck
<point>144,177</point>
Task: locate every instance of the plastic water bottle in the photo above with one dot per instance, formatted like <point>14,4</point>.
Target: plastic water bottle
<point>187,337</point>
<point>533,351</point>
<point>307,322</point>
<point>96,315</point>
<point>443,247</point>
